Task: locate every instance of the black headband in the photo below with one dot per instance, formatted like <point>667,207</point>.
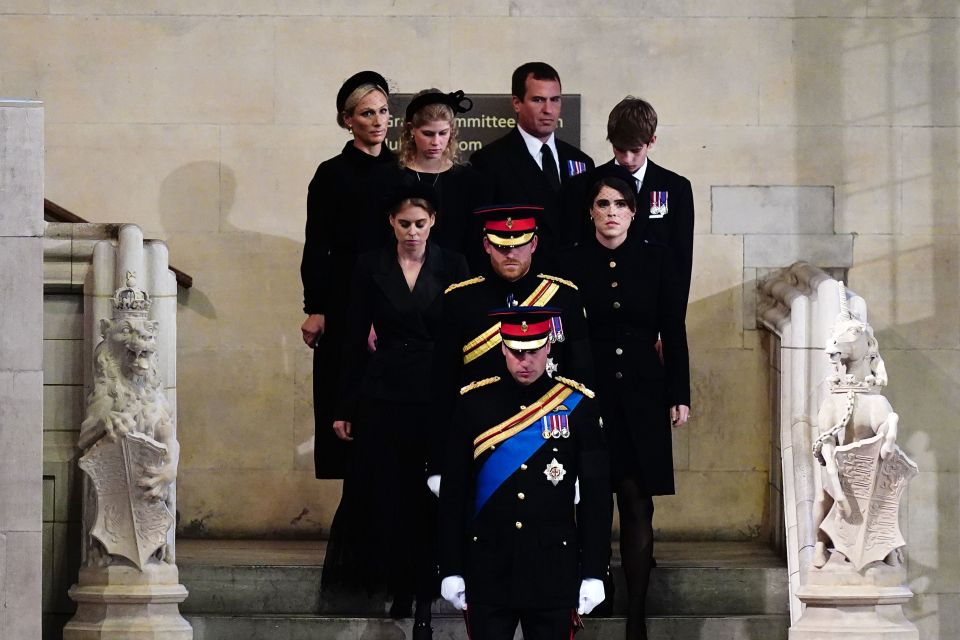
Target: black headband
<point>456,101</point>
<point>358,80</point>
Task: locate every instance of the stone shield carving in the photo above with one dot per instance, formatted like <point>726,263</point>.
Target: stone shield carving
<point>873,486</point>
<point>128,523</point>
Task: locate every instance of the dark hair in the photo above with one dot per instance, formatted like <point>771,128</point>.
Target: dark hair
<point>423,203</point>
<point>539,71</point>
<point>616,184</point>
<point>633,122</point>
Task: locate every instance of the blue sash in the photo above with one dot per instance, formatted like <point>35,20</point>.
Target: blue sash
<point>513,452</point>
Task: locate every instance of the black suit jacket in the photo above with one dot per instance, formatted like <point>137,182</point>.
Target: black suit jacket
<point>529,546</point>
<point>517,179</point>
<point>406,323</point>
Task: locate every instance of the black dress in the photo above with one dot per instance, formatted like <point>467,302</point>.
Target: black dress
<point>631,294</point>
<point>383,537</point>
<point>342,221</point>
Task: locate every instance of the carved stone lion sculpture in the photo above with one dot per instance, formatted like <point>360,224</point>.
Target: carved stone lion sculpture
<point>128,398</point>
<point>855,411</point>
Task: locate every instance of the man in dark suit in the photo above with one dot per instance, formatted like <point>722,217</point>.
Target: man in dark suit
<point>530,165</point>
<point>525,509</point>
<point>664,198</point>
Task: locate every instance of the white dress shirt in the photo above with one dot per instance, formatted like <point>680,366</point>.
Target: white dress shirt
<point>534,145</point>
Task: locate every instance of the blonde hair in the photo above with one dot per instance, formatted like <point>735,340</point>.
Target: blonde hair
<point>354,99</point>
<point>429,113</point>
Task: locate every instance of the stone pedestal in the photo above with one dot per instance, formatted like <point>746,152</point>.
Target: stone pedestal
<point>124,603</point>
<point>843,603</point>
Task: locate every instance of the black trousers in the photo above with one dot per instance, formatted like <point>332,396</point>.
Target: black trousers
<point>487,622</point>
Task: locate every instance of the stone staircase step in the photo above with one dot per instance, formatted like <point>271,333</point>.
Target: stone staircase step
<point>265,627</point>
<point>253,577</point>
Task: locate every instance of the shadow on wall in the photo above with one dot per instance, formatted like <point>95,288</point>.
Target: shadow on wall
<point>241,363</point>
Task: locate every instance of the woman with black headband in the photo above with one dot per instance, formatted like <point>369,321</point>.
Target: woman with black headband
<point>428,155</point>
<point>341,202</point>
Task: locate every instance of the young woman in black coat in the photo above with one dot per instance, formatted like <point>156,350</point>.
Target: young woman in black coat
<point>342,221</point>
<point>631,294</point>
<point>383,537</point>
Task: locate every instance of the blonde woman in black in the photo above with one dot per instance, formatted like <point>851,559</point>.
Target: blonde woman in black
<point>341,223</point>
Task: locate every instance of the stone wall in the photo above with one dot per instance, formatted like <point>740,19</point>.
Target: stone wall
<point>21,362</point>
<point>202,122</point>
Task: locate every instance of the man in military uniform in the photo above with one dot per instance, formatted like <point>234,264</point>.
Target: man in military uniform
<point>518,542</point>
<point>467,346</point>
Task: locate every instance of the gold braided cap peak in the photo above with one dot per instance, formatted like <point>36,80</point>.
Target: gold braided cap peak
<point>546,276</point>
<point>476,384</point>
<point>464,283</point>
<point>576,385</point>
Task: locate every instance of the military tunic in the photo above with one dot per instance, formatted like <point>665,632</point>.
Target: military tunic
<point>528,546</point>
<point>465,321</point>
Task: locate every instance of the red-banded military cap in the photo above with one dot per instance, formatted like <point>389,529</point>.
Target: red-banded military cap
<point>509,225</point>
<point>524,328</point>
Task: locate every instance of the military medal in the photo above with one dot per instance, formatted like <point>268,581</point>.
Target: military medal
<point>658,204</point>
<point>545,431</point>
<point>556,330</point>
<point>512,300</point>
<point>575,167</point>
<point>554,472</point>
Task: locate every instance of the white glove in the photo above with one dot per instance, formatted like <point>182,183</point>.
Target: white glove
<point>434,483</point>
<point>453,591</point>
<point>591,594</point>
<point>576,491</point>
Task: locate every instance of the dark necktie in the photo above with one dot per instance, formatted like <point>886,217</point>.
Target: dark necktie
<point>550,167</point>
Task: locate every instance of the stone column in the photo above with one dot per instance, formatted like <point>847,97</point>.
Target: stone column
<point>21,367</point>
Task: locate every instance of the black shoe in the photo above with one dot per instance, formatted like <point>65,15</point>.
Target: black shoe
<point>422,631</point>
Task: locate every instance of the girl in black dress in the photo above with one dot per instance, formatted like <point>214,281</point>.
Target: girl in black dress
<point>631,294</point>
<point>383,537</point>
<point>429,154</point>
<point>340,224</point>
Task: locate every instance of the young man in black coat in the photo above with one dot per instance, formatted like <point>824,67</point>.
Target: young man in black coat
<point>525,511</point>
<point>664,198</point>
<point>530,165</point>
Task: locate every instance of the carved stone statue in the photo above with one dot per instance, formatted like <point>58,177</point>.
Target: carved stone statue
<point>864,471</point>
<point>128,585</point>
<point>131,452</point>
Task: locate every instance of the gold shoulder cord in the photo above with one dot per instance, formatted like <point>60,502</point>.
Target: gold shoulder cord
<point>476,384</point>
<point>546,276</point>
<point>465,283</point>
<point>576,385</point>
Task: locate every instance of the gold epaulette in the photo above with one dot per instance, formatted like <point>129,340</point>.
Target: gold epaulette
<point>576,385</point>
<point>546,276</point>
<point>465,283</point>
<point>476,384</point>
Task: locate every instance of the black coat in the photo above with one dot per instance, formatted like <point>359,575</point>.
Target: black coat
<point>342,222</point>
<point>675,229</point>
<point>517,179</point>
<point>465,318</point>
<point>406,322</point>
<point>528,546</point>
<point>635,389</point>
